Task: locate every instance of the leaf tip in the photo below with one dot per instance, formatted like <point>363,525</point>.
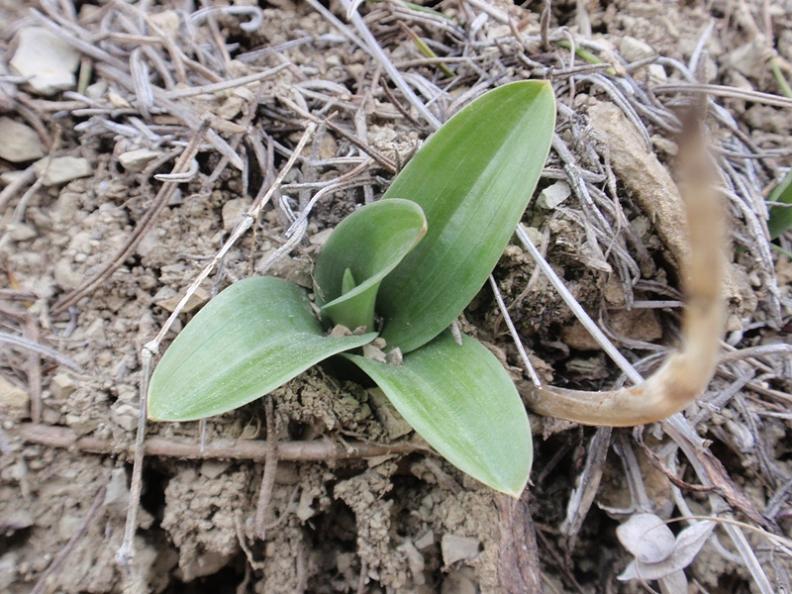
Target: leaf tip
<point>514,493</point>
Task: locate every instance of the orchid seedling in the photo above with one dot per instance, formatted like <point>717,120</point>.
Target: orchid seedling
<point>398,271</point>
<point>401,269</point>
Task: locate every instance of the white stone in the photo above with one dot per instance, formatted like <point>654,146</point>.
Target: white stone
<point>18,142</point>
<point>458,548</point>
<point>17,519</point>
<point>233,211</point>
<point>633,49</point>
<point>21,231</point>
<point>321,237</point>
<point>96,90</point>
<point>425,541</point>
<point>62,386</point>
<point>136,161</point>
<point>535,235</point>
<point>211,469</point>
<point>657,74</point>
<point>59,170</point>
<point>46,59</point>
<point>8,570</point>
<point>14,401</point>
<point>117,494</point>
<point>65,274</point>
<point>748,59</point>
<point>554,194</point>
<point>124,415</point>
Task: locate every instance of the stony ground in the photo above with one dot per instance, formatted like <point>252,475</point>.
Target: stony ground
<point>96,248</point>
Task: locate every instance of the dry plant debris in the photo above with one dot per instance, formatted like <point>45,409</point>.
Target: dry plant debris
<point>158,116</point>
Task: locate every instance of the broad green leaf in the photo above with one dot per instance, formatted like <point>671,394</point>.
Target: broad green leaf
<point>360,252</point>
<point>781,216</point>
<point>253,337</point>
<point>461,400</point>
<point>473,178</point>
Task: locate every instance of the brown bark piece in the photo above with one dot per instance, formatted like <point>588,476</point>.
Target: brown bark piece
<point>518,565</point>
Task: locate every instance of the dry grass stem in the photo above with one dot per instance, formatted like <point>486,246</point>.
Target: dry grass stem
<point>686,373</point>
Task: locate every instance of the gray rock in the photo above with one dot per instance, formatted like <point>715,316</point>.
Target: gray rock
<point>233,211</point>
<point>554,195</point>
<point>633,49</point>
<point>124,415</point>
<point>657,74</point>
<point>8,570</point>
<point>62,386</point>
<point>136,161</point>
<point>211,469</point>
<point>20,143</point>
<point>117,494</point>
<point>458,548</point>
<point>425,541</point>
<point>14,401</point>
<point>16,519</point>
<point>65,275</point>
<point>21,231</point>
<point>59,170</point>
<point>47,61</point>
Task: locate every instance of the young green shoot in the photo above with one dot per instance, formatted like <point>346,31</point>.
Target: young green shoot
<point>402,268</point>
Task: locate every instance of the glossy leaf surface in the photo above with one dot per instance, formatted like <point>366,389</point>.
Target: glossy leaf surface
<point>253,337</point>
<point>473,178</point>
<point>463,403</point>
<point>781,216</point>
<point>361,251</point>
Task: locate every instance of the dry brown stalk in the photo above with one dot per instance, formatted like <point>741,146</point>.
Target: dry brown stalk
<point>270,469</point>
<point>316,450</point>
<point>518,563</point>
<point>686,373</point>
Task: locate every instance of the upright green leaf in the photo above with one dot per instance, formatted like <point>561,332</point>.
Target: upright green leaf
<point>781,216</point>
<point>253,337</point>
<point>473,178</point>
<point>461,400</point>
<point>360,252</point>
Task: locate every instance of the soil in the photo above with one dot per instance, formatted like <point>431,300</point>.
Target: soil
<point>407,523</point>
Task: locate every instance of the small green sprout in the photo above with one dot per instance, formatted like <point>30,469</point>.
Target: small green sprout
<point>403,269</point>
<point>781,212</point>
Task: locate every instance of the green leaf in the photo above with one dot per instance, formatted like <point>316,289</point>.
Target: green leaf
<point>360,252</point>
<point>253,337</point>
<point>781,216</point>
<point>461,400</point>
<point>348,282</point>
<point>473,178</point>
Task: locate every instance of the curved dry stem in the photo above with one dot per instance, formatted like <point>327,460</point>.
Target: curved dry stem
<point>686,373</point>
